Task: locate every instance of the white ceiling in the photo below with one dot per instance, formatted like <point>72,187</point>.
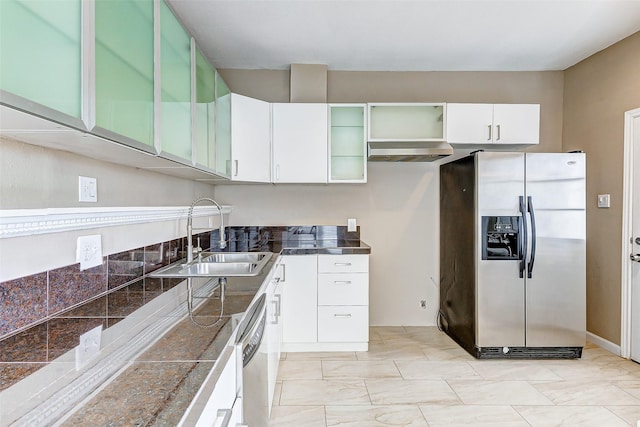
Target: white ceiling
<point>401,35</point>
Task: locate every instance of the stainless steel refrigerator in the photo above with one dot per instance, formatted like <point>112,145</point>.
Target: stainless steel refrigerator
<point>512,254</point>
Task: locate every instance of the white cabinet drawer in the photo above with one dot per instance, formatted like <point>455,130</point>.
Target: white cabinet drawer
<point>343,324</point>
<point>343,289</point>
<point>343,263</point>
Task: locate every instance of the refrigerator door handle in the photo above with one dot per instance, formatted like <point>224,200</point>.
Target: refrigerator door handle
<point>533,237</point>
<point>523,254</point>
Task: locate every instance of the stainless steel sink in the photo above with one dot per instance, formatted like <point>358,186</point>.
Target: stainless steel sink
<point>212,264</point>
<point>218,269</point>
<point>225,257</point>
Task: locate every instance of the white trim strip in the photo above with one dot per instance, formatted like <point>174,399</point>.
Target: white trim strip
<point>603,343</point>
<point>29,222</point>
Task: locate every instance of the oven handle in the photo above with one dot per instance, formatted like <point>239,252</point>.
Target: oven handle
<point>253,333</point>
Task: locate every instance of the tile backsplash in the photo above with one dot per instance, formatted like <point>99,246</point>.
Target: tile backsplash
<point>43,315</point>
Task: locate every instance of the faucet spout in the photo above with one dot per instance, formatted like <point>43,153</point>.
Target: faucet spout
<point>222,242</point>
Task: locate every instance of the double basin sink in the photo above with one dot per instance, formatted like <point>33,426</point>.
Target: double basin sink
<point>220,264</point>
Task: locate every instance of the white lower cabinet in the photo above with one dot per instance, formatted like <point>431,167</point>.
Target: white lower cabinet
<point>326,303</point>
<point>274,331</point>
<point>300,299</point>
<point>223,386</point>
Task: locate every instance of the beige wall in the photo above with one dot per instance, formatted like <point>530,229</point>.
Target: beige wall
<point>33,177</point>
<point>597,92</point>
<point>398,208</point>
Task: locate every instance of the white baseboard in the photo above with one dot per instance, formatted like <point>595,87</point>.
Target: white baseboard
<point>603,343</point>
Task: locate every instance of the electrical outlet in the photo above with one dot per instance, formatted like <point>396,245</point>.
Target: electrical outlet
<point>89,346</point>
<point>89,251</point>
<point>352,225</point>
<point>87,189</point>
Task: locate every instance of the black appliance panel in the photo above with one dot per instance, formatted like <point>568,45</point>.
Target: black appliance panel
<point>501,238</point>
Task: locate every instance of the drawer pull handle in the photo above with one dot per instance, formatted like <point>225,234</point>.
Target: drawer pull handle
<point>342,264</point>
<point>342,282</point>
<point>344,316</point>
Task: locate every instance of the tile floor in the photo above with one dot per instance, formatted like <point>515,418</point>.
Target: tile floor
<point>417,376</point>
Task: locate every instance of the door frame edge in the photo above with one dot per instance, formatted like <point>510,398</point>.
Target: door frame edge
<point>627,198</point>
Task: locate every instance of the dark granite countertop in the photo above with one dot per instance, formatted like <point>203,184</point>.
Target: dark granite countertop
<point>157,388</point>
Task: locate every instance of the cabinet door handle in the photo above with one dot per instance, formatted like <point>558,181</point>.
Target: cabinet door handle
<point>490,127</point>
<point>277,172</point>
<point>343,316</point>
<point>342,282</point>
<point>498,132</point>
<point>223,417</point>
<point>278,305</point>
<point>342,264</point>
<point>235,162</point>
<point>283,277</point>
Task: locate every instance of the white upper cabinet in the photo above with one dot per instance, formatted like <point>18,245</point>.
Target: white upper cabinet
<point>516,123</point>
<point>251,139</point>
<point>299,138</point>
<point>493,123</point>
<point>469,123</point>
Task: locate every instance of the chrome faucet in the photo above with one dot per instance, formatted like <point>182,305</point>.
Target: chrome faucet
<point>223,243</point>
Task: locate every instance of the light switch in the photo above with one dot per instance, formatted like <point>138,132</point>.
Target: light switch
<point>87,189</point>
<point>352,225</point>
<point>604,200</point>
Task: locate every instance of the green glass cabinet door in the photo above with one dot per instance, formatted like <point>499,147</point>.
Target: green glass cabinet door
<point>124,70</point>
<point>40,53</point>
<point>175,77</point>
<point>204,131</point>
<point>223,128</point>
<point>347,143</point>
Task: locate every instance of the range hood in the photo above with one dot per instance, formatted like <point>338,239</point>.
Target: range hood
<point>409,151</point>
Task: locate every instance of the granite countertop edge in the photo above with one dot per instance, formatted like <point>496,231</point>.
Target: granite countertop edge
<point>349,248</point>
